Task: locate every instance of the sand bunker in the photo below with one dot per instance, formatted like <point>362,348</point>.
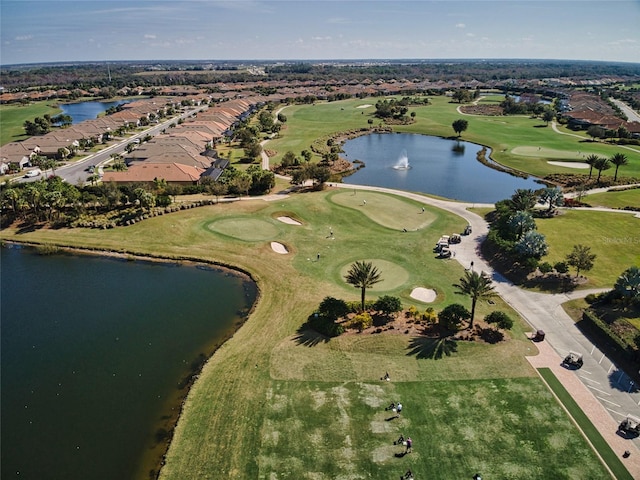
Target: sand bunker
<point>426,295</point>
<point>570,164</point>
<point>364,106</point>
<point>279,248</point>
<point>289,220</point>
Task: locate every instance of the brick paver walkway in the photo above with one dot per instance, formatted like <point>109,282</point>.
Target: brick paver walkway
<point>590,406</point>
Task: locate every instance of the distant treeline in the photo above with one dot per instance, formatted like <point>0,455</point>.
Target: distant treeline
<point>122,74</point>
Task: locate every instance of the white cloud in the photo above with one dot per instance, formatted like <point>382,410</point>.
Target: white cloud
<point>22,38</point>
<point>624,41</point>
<point>321,39</point>
<point>150,36</point>
<point>339,21</point>
<point>460,25</point>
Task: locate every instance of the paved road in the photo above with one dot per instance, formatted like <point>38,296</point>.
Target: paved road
<point>76,172</point>
<point>609,384</point>
<point>631,114</point>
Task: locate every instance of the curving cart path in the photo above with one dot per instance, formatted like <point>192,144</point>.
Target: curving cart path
<point>603,391</point>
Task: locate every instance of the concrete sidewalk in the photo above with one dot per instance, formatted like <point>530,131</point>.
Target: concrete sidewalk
<point>548,358</point>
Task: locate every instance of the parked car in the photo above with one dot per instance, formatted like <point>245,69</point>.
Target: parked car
<point>33,173</point>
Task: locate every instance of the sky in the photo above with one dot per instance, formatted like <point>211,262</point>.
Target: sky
<point>35,31</point>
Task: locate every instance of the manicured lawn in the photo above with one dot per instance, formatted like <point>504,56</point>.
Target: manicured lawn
<point>12,117</point>
<point>611,236</point>
<point>502,428</point>
<point>614,199</point>
<point>279,402</point>
<point>585,425</point>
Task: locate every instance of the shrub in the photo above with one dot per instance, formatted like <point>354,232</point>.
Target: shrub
<point>333,308</point>
<point>545,267</point>
<point>412,312</point>
<point>500,319</point>
<point>561,267</point>
<point>356,306</point>
<point>325,326</point>
<point>452,316</point>
<point>361,321</point>
<point>388,305</point>
<point>430,315</point>
<point>591,298</point>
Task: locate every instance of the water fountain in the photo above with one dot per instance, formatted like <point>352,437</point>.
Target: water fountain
<point>403,162</point>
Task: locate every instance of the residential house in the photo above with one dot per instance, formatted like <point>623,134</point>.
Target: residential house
<point>147,172</point>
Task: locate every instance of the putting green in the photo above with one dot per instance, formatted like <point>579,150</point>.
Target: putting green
<point>548,153</point>
<point>392,274</point>
<point>386,210</point>
<point>245,228</point>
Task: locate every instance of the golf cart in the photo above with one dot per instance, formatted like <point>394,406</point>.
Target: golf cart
<point>444,253</point>
<point>455,238</point>
<point>573,360</point>
<point>630,426</point>
<point>538,336</point>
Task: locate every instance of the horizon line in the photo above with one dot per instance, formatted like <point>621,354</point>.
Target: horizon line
<point>321,60</point>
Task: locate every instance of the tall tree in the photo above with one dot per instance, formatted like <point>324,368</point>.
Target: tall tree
<point>523,200</point>
<point>591,161</point>
<point>601,165</point>
<point>628,284</point>
<point>363,275</point>
<point>520,223</point>
<point>477,286</point>
<point>618,159</point>
<point>532,245</point>
<point>459,126</point>
<point>553,196</point>
<point>581,258</point>
<point>548,115</point>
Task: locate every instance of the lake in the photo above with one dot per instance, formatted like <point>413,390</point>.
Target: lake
<point>81,111</point>
<point>95,354</point>
<point>442,167</point>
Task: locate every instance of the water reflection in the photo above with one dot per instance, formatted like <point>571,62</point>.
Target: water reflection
<point>443,167</point>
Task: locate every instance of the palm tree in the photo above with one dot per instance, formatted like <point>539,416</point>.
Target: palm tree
<point>591,161</point>
<point>363,275</point>
<point>628,284</point>
<point>477,286</point>
<point>600,165</point>
<point>523,200</point>
<point>618,159</point>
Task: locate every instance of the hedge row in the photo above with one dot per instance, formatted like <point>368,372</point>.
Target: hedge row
<point>605,337</point>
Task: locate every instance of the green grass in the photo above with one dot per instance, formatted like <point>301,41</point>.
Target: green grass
<point>614,199</point>
<point>503,428</point>
<point>520,142</point>
<point>12,117</point>
<point>608,455</point>
<point>612,237</point>
<point>279,402</point>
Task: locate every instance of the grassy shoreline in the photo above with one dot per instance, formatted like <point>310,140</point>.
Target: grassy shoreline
<point>153,458</point>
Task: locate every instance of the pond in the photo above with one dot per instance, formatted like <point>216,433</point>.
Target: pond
<point>95,353</point>
<point>434,165</point>
<point>81,111</point>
